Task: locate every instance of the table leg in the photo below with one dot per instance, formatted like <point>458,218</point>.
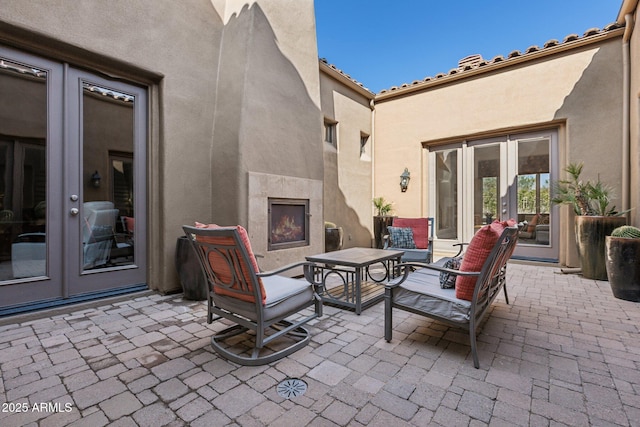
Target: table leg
<point>358,293</point>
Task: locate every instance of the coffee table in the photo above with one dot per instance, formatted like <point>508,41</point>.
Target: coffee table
<point>358,275</point>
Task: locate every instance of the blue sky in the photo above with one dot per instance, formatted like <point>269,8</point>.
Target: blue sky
<point>385,43</point>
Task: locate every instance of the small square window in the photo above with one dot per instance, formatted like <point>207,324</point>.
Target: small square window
<point>365,147</point>
<point>364,138</point>
<point>330,133</point>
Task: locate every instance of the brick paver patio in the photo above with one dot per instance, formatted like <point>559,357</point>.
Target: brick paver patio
<point>564,352</point>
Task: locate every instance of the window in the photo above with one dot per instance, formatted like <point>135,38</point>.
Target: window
<point>330,134</point>
<point>364,147</point>
<point>447,194</point>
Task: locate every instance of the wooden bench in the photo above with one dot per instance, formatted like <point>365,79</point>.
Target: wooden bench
<point>417,289</point>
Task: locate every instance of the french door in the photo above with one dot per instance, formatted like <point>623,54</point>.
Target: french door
<point>72,183</point>
<point>476,182</point>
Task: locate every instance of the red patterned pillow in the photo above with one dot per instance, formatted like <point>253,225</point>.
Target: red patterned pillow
<point>477,253</point>
<point>221,267</point>
<point>420,227</point>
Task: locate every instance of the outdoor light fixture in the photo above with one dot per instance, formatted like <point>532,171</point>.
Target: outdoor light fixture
<point>404,180</point>
<point>95,179</point>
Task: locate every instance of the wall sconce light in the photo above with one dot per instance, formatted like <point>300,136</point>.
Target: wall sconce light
<point>95,179</point>
<point>404,180</point>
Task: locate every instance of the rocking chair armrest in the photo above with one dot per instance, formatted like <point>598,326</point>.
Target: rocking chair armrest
<point>285,268</point>
<point>308,267</point>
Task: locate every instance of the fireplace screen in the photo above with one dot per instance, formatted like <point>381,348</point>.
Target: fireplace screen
<point>288,223</point>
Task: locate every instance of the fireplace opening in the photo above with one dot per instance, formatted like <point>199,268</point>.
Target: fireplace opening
<point>288,223</point>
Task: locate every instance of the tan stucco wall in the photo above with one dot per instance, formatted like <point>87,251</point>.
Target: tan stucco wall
<point>581,88</point>
<point>267,117</point>
<point>347,174</point>
<point>200,117</point>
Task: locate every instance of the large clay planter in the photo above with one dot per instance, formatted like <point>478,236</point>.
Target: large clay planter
<point>623,267</point>
<point>333,239</point>
<point>590,238</point>
<point>194,283</point>
<point>380,224</point>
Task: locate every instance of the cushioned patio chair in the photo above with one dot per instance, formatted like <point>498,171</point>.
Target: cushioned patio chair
<point>480,278</point>
<point>258,303</point>
<point>414,236</point>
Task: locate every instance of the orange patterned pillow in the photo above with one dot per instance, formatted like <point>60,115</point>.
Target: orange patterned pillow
<point>477,253</point>
<point>221,267</point>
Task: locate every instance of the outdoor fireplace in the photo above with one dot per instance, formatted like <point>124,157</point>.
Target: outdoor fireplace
<point>288,223</point>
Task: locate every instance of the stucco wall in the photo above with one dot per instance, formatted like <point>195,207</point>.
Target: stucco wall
<point>581,88</point>
<point>347,173</point>
<point>267,116</point>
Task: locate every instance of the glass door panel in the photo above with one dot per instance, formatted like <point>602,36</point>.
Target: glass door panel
<point>23,172</point>
<point>107,127</point>
<point>107,192</point>
<point>30,111</point>
<point>486,185</point>
<point>446,219</point>
<point>533,192</point>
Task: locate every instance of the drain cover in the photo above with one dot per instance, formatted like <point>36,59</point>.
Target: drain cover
<point>291,387</point>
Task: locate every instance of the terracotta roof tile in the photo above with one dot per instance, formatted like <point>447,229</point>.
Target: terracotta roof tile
<point>347,76</point>
<point>474,62</point>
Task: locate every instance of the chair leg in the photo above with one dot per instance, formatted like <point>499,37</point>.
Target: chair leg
<point>506,297</point>
<point>299,335</point>
<point>474,349</point>
<point>388,310</point>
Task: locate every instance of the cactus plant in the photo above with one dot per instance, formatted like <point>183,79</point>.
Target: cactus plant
<point>628,231</point>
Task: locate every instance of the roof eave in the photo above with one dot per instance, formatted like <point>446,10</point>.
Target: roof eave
<point>563,47</point>
<point>340,77</point>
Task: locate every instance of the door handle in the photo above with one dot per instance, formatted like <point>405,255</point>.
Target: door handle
<point>74,211</point>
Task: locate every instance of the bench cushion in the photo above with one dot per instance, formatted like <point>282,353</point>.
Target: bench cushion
<point>421,291</point>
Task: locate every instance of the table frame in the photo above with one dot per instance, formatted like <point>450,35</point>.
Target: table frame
<point>352,266</point>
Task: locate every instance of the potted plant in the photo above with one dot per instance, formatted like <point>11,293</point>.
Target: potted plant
<point>382,219</point>
<point>622,258</point>
<point>332,237</point>
<point>595,218</point>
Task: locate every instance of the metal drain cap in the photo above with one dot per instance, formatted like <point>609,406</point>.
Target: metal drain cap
<point>291,387</point>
